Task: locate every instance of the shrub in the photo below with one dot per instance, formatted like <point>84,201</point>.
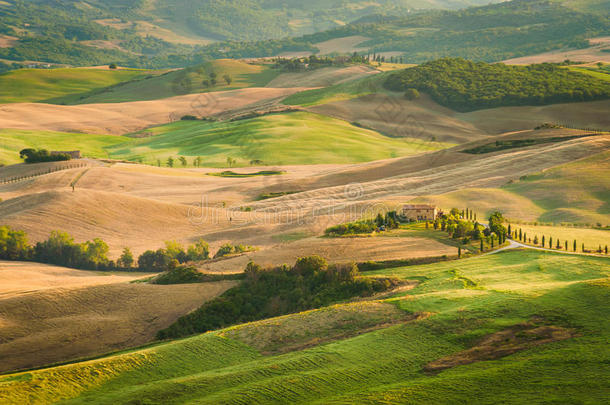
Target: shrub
<point>180,275</point>
<point>412,94</point>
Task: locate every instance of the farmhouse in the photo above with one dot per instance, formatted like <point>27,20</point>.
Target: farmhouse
<point>420,212</point>
<point>74,154</point>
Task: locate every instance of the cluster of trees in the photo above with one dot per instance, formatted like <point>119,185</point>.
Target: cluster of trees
<point>465,86</point>
<point>316,62</point>
<point>382,222</point>
<point>264,293</point>
<point>42,155</point>
<point>464,225</point>
<point>171,162</point>
<point>229,249</point>
<point>60,249</point>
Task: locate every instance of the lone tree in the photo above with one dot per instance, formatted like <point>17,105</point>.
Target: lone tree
<point>126,259</point>
<point>170,162</point>
<point>228,79</point>
<point>183,161</point>
<point>112,66</point>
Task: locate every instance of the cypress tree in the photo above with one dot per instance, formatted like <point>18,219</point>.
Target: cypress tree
<point>459,252</point>
<point>551,242</point>
<point>566,245</point>
<point>483,249</point>
<point>542,241</point>
<point>575,245</point>
<point>510,231</point>
<point>583,247</point>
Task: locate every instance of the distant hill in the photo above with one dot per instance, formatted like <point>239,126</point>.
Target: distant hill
<point>97,31</point>
<point>467,86</point>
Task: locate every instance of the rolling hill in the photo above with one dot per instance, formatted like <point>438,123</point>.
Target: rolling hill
<point>153,33</point>
<point>41,85</point>
<point>511,325</point>
<point>12,141</point>
<point>279,139</point>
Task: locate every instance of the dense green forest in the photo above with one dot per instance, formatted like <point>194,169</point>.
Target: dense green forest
<point>265,293</point>
<point>465,86</point>
<point>58,30</point>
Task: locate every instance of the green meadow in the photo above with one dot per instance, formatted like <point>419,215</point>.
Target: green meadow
<point>13,140</point>
<point>339,92</point>
<point>185,81</point>
<point>294,138</point>
<point>46,85</point>
<point>463,301</point>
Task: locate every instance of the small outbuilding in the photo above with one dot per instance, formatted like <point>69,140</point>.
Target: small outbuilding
<point>420,212</point>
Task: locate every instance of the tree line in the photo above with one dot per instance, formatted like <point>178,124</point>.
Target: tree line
<point>61,249</point>
<point>31,155</point>
<point>268,292</point>
<point>553,243</point>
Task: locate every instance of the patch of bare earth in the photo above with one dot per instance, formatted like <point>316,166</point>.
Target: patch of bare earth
<point>504,343</point>
<point>311,328</point>
<point>7,41</point>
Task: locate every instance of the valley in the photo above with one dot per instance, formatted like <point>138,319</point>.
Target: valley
<point>345,202</point>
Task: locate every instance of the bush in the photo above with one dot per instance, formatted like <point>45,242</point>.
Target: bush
<point>412,94</point>
<point>180,275</point>
<point>229,249</point>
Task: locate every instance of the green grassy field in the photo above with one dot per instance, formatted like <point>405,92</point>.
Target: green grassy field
<point>464,301</point>
<point>185,81</point>
<point>13,140</point>
<point>343,91</point>
<point>294,138</point>
<point>42,85</point>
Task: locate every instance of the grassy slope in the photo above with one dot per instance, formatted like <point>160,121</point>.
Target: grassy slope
<point>339,92</point>
<point>294,138</point>
<point>13,140</point>
<point>576,192</point>
<point>38,85</point>
<point>592,238</point>
<point>174,84</point>
<point>466,299</point>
